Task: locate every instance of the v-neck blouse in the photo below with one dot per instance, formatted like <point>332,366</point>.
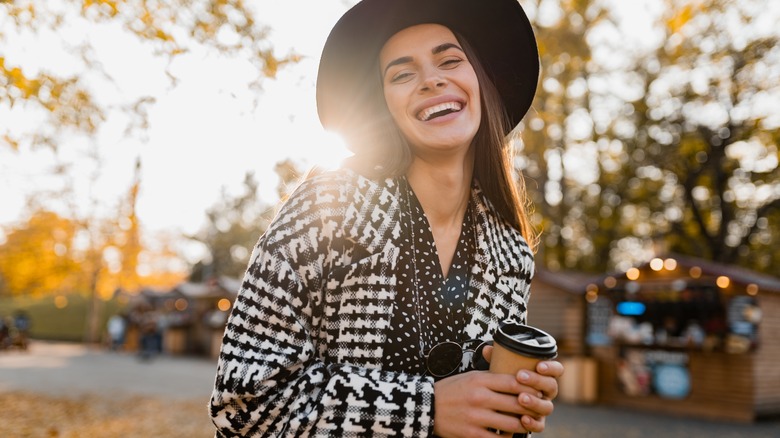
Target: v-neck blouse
<point>442,302</point>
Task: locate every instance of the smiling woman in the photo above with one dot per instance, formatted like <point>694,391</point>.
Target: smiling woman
<point>374,288</point>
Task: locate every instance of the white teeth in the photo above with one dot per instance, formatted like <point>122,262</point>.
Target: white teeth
<point>426,114</point>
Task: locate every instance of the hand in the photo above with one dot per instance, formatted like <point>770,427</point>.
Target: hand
<point>539,389</point>
<point>468,404</point>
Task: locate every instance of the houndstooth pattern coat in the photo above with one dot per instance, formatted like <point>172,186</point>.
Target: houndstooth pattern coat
<point>303,349</point>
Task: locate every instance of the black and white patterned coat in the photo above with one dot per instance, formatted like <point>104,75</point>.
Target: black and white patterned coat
<point>303,350</point>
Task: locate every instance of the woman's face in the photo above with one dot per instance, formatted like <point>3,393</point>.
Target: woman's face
<point>431,89</point>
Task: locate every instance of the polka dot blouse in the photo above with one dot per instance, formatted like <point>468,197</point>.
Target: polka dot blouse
<point>441,314</point>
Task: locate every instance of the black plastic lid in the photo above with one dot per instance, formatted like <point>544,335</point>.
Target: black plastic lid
<point>526,340</point>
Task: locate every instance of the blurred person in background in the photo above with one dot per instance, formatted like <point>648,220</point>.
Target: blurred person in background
<point>117,327</point>
<point>21,326</point>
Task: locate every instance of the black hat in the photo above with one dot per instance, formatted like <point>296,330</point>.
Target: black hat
<point>498,30</point>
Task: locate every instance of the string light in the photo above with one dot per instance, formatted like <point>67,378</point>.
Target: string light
<point>224,304</point>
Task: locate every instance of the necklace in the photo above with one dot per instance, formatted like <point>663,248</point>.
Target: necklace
<point>468,262</point>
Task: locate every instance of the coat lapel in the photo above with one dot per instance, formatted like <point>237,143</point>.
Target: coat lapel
<point>373,216</point>
<point>501,275</point>
<point>361,291</point>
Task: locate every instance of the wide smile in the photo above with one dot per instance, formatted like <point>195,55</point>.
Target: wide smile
<point>439,110</point>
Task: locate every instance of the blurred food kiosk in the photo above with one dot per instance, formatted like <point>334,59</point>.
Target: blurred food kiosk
<point>686,336</point>
<point>196,319</point>
<point>557,306</point>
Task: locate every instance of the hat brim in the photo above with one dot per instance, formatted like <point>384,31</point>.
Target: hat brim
<point>498,30</point>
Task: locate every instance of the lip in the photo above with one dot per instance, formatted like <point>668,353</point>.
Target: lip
<point>433,101</point>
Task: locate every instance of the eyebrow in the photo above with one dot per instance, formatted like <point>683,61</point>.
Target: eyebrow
<point>444,47</point>
<point>436,50</point>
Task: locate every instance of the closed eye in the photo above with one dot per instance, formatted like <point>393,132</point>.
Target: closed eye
<point>451,63</point>
<point>401,77</point>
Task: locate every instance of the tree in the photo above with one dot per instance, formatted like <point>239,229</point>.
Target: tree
<point>707,141</point>
<point>559,140</point>
<point>634,147</point>
<point>36,257</point>
<point>236,222</point>
<point>73,104</point>
<point>67,102</point>
<point>50,254</point>
<point>233,227</point>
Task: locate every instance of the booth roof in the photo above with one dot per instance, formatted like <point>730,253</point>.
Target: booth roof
<point>221,286</point>
<point>577,282</point>
<point>737,274</point>
<point>569,281</point>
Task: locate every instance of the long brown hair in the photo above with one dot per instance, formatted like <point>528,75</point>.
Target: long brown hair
<point>494,155</point>
<point>381,151</point>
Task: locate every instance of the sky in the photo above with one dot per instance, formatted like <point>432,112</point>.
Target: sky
<point>204,133</point>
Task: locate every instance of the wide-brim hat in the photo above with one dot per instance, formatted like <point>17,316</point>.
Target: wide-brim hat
<point>498,30</point>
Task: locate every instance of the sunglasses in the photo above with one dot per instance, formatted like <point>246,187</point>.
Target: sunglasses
<point>445,358</point>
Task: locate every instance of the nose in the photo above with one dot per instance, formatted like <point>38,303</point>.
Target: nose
<point>432,80</point>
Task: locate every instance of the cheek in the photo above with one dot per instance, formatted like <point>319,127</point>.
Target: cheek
<point>477,97</point>
<point>398,111</point>
<point>394,106</point>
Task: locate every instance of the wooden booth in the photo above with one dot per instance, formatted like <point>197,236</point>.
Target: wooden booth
<point>197,319</point>
<point>557,306</point>
<point>687,337</point>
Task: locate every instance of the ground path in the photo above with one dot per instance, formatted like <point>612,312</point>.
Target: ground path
<point>80,389</point>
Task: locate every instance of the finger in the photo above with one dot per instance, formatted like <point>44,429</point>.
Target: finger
<point>532,424</point>
<point>502,394</point>
<point>510,405</point>
<point>535,406</point>
<point>487,352</point>
<point>506,424</point>
<point>547,386</point>
<point>551,368</point>
<point>498,382</point>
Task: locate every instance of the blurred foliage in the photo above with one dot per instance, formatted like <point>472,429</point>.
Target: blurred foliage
<point>669,148</point>
<point>98,248</point>
<point>36,258</point>
<point>171,28</point>
<point>49,254</point>
<point>233,226</point>
<point>236,222</point>
<point>67,102</point>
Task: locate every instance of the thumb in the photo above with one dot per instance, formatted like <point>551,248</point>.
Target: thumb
<point>487,352</point>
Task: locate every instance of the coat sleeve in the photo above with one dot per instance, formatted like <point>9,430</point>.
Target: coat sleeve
<point>274,377</point>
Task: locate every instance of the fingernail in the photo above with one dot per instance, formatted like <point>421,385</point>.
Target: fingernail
<point>525,399</point>
<point>543,366</point>
<point>524,376</point>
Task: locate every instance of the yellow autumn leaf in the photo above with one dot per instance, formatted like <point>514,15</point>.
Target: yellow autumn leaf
<point>680,19</point>
<point>13,143</point>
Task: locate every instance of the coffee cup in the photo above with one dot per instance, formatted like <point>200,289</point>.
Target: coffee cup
<point>520,347</point>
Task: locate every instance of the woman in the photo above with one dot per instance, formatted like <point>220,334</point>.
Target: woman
<point>364,301</point>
